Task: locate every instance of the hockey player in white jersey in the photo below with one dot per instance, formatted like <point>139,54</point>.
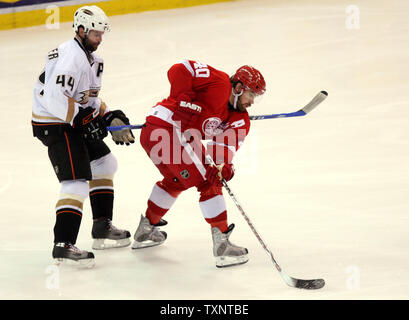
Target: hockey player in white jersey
<point>70,119</point>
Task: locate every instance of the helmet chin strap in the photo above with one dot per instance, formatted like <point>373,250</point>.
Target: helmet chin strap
<point>236,97</point>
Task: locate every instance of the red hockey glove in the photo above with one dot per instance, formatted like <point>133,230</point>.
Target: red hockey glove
<point>188,114</point>
<point>214,174</point>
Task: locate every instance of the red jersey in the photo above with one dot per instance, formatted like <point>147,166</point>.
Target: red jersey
<point>230,136</point>
<point>202,85</point>
<point>209,88</point>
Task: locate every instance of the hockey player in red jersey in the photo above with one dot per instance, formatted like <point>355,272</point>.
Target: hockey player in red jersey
<point>204,104</point>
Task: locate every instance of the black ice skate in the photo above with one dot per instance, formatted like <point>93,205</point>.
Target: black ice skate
<point>107,236</point>
<point>67,253</point>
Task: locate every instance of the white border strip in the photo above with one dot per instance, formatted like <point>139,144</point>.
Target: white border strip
<point>68,207</point>
<point>101,188</point>
<point>161,198</point>
<point>212,207</point>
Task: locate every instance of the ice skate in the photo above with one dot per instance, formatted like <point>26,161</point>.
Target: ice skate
<point>107,236</point>
<point>67,253</point>
<point>147,235</point>
<point>226,253</point>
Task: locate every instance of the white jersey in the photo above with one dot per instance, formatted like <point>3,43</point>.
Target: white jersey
<point>70,80</point>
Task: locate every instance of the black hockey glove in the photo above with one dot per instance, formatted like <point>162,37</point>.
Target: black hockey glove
<point>90,124</point>
<point>118,118</point>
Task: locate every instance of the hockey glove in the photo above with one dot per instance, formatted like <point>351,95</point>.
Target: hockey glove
<point>118,118</point>
<point>188,114</point>
<point>90,124</point>
<point>215,173</point>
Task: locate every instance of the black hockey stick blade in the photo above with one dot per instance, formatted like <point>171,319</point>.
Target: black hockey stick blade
<point>312,284</point>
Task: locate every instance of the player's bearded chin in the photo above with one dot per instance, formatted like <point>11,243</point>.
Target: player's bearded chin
<point>240,106</point>
<point>87,45</point>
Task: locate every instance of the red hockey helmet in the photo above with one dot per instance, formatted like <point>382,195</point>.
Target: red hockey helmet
<point>251,78</point>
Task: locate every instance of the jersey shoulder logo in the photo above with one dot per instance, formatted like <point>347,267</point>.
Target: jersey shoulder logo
<point>211,126</point>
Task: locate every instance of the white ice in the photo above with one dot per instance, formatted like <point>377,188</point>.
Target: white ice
<point>328,192</point>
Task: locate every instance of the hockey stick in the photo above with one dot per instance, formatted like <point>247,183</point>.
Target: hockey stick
<point>302,112</point>
<point>125,127</point>
<point>292,282</point>
<point>320,97</point>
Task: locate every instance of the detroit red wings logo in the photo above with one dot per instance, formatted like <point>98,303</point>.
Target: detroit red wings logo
<point>211,126</point>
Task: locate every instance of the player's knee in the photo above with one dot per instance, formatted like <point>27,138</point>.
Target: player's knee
<point>208,190</point>
<point>104,167</point>
<point>171,186</point>
<point>77,189</point>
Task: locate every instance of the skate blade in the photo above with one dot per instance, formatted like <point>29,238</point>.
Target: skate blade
<point>146,244</point>
<point>82,263</point>
<point>229,261</point>
<point>102,244</point>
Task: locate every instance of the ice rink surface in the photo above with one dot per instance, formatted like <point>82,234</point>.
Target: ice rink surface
<point>328,192</point>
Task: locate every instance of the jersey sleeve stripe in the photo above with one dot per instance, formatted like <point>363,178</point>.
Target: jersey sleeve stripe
<point>71,109</point>
<point>188,67</point>
<point>231,148</point>
<point>102,108</point>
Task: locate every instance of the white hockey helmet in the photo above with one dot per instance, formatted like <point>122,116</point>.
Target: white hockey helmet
<point>91,18</point>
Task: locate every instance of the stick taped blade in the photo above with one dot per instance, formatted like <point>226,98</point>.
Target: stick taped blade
<point>315,101</point>
<point>312,284</point>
